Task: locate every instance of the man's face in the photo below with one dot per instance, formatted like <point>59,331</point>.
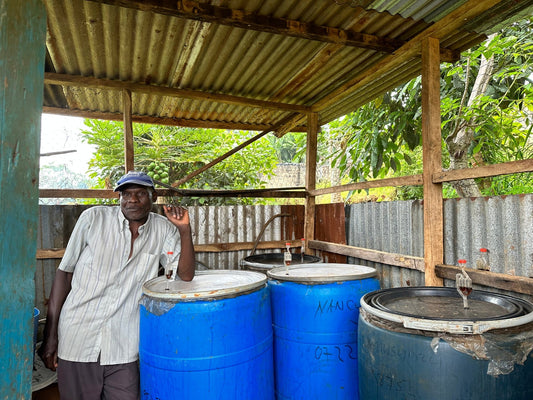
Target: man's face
<point>136,202</point>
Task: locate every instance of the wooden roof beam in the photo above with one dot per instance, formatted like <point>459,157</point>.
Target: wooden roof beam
<point>295,192</point>
<point>453,21</point>
<point>146,119</point>
<point>52,78</point>
<point>204,12</point>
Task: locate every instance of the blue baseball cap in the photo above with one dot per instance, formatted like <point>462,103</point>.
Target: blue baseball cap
<point>135,178</point>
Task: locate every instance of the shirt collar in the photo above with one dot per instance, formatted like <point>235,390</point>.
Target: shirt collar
<point>125,224</point>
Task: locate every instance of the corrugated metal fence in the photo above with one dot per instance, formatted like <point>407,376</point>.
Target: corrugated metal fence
<point>504,225</point>
<point>232,224</point>
<point>216,224</point>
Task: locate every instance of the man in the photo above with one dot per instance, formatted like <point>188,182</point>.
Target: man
<point>92,324</point>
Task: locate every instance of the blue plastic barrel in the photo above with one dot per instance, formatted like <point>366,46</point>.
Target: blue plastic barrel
<point>210,338</point>
<point>421,343</point>
<point>315,309</point>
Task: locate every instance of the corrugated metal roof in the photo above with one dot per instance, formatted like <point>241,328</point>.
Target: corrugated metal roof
<point>154,44</point>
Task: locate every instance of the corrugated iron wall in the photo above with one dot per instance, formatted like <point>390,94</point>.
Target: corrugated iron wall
<point>210,225</point>
<point>395,227</point>
<point>503,225</point>
<point>231,224</point>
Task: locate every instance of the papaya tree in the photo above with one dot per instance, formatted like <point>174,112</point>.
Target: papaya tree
<point>169,153</point>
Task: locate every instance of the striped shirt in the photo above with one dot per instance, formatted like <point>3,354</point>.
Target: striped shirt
<point>101,313</point>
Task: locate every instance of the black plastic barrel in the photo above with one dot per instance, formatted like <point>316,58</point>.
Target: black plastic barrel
<point>421,343</point>
<point>267,261</point>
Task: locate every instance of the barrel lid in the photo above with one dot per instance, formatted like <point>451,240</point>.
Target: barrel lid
<point>322,272</point>
<point>205,285</point>
<point>441,309</point>
<point>267,261</point>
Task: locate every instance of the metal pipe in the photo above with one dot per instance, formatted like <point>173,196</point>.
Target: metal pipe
<point>265,226</point>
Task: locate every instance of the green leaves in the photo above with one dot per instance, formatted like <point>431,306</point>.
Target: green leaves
<point>379,139</point>
<point>169,154</point>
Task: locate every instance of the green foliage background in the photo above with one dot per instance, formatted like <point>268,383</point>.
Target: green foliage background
<point>383,138</point>
<point>169,153</point>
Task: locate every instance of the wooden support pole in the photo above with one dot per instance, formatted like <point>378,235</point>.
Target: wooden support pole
<point>432,161</point>
<point>310,176</point>
<point>128,131</point>
<point>22,59</point>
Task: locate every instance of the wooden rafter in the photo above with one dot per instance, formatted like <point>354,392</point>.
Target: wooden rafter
<point>145,119</point>
<point>412,49</point>
<point>239,18</point>
<point>52,78</point>
<point>407,52</point>
<point>226,155</point>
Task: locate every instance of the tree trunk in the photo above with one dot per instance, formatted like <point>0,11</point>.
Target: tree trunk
<point>459,141</point>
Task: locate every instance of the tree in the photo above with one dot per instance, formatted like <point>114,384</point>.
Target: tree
<point>289,147</point>
<point>486,103</point>
<point>169,153</point>
<point>61,176</point>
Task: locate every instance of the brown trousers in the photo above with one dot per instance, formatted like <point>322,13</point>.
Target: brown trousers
<point>92,381</point>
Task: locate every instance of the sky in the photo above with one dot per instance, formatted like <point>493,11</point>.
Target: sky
<point>60,133</point>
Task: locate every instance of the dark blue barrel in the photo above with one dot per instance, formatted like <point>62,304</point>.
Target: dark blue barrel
<point>421,343</point>
<point>315,309</point>
<point>207,339</point>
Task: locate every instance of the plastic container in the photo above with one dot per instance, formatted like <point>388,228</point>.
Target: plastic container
<point>210,338</point>
<point>287,256</point>
<point>482,262</point>
<point>420,343</point>
<point>315,310</point>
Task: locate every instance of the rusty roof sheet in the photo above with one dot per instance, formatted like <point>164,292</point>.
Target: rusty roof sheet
<point>237,64</point>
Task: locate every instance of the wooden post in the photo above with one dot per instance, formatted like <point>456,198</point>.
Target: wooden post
<point>310,177</point>
<point>432,161</point>
<point>128,132</point>
<point>22,54</point>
